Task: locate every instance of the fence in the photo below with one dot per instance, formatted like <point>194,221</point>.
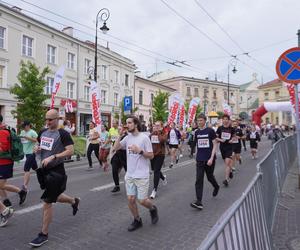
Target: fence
<point>248,223</point>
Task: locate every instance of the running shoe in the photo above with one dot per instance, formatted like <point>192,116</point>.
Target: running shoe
<point>40,240</point>
<point>75,206</point>
<point>165,182</point>
<point>116,189</point>
<point>231,174</point>
<point>7,203</point>
<point>136,224</point>
<point>22,196</point>
<point>177,159</point>
<point>216,191</point>
<point>225,182</point>
<point>197,204</point>
<point>181,155</point>
<point>171,165</point>
<point>5,215</point>
<point>240,161</point>
<point>154,215</point>
<point>153,194</point>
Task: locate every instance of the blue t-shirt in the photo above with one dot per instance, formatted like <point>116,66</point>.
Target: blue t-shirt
<point>204,141</point>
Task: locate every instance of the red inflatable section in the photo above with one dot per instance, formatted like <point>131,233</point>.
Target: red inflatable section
<point>256,116</point>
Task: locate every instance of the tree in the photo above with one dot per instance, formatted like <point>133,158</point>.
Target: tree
<point>30,95</point>
<point>244,116</point>
<point>160,109</point>
<point>220,114</point>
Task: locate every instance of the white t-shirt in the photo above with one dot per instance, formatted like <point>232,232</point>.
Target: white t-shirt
<point>137,165</point>
<point>173,138</point>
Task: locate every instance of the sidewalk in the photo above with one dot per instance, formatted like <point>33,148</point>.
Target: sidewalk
<point>286,230</point>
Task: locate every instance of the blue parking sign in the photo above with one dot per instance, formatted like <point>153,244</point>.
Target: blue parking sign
<point>127,105</point>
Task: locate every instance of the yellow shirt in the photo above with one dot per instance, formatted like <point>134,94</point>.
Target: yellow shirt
<point>113,134</point>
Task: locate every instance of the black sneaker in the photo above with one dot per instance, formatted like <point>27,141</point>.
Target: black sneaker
<point>22,195</point>
<point>7,203</point>
<point>135,225</point>
<point>171,165</point>
<point>225,182</point>
<point>177,159</point>
<point>240,161</point>
<point>75,206</point>
<point>116,189</point>
<point>40,240</point>
<point>154,215</point>
<point>231,175</point>
<point>216,190</point>
<point>197,204</point>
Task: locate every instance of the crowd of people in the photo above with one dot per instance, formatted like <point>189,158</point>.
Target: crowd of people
<point>131,146</point>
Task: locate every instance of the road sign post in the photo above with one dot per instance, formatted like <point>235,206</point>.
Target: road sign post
<point>288,70</point>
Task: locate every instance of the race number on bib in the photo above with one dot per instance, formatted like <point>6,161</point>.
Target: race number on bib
<point>47,143</point>
<point>154,139</point>
<point>225,136</point>
<point>23,140</point>
<point>252,136</point>
<point>203,143</point>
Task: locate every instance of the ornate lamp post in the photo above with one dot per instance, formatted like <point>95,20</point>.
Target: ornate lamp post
<point>232,63</point>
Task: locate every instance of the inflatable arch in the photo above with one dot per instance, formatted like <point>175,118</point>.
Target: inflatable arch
<point>270,107</point>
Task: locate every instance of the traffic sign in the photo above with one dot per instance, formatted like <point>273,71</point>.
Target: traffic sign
<point>127,105</point>
<point>288,66</point>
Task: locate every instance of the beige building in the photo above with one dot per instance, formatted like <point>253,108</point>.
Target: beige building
<point>212,93</point>
<point>145,90</point>
<point>275,91</point>
<point>24,38</point>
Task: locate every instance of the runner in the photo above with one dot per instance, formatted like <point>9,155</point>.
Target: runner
<point>93,146</point>
<point>55,145</point>
<point>5,214</point>
<point>206,159</point>
<point>158,140</point>
<point>225,136</point>
<point>28,138</point>
<point>104,147</point>
<point>192,139</point>
<point>6,168</point>
<point>253,137</point>
<point>173,139</point>
<point>113,132</point>
<point>236,144</point>
<point>181,141</point>
<point>139,152</point>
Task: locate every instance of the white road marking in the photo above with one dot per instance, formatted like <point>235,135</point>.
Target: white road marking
<point>100,188</point>
<point>29,209</point>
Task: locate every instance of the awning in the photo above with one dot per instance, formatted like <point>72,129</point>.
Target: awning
<point>212,114</point>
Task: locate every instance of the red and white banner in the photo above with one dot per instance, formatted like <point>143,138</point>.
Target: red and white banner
<point>56,84</point>
<point>96,101</point>
<point>227,109</point>
<point>181,113</point>
<point>174,103</point>
<point>291,89</point>
<point>193,109</point>
<point>69,105</point>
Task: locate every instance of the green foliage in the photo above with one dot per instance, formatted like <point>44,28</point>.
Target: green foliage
<point>79,145</point>
<point>160,106</point>
<point>244,115</point>
<point>220,114</point>
<point>30,95</point>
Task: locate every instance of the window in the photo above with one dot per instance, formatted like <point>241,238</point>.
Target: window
<point>104,72</point>
<point>266,94</point>
<point>51,51</point>
<point>87,64</point>
<point>70,90</point>
<point>231,95</point>
<point>241,99</point>
<point>196,92</point>
<point>116,76</point>
<point>1,76</point>
<point>49,85</point>
<point>277,93</point>
<point>141,97</point>
<point>152,97</point>
<point>103,96</point>
<point>205,93</point>
<point>116,99</point>
<point>126,80</point>
<point>214,108</point>
<point>71,60</point>
<point>86,93</point>
<point>215,94</point>
<point>27,44</point>
<point>188,91</point>
<point>2,37</point>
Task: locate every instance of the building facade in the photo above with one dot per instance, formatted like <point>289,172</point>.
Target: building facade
<point>24,38</point>
<point>212,93</point>
<point>275,91</point>
<point>145,90</point>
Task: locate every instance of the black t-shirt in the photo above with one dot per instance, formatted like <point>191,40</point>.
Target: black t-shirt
<point>225,133</point>
<point>204,142</point>
<point>239,133</point>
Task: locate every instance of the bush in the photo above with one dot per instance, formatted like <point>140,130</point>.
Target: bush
<point>79,145</point>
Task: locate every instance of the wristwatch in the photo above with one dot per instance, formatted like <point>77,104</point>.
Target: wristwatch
<point>142,152</point>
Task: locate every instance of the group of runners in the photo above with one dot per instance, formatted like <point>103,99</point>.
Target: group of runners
<point>122,147</point>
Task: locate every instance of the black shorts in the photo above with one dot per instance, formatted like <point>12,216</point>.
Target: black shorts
<point>253,145</point>
<point>226,153</point>
<point>237,148</point>
<point>6,171</point>
<point>173,146</point>
<point>30,163</point>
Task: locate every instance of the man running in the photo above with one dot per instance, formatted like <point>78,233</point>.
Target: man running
<point>236,144</point>
<point>225,136</point>
<point>206,157</point>
<point>139,152</point>
<point>158,140</point>
<point>55,145</point>
<point>28,139</point>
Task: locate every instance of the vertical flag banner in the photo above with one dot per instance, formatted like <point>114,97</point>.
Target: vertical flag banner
<point>181,113</point>
<point>227,109</point>
<point>96,101</point>
<point>174,101</point>
<point>56,84</point>
<point>193,109</point>
<point>291,89</point>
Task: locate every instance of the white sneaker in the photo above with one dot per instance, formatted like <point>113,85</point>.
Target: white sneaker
<point>165,182</point>
<point>153,194</point>
<point>181,155</point>
<point>6,214</point>
<point>253,157</point>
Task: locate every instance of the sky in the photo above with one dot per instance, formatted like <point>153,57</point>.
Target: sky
<point>206,34</point>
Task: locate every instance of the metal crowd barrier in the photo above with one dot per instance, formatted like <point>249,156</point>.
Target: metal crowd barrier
<point>247,224</point>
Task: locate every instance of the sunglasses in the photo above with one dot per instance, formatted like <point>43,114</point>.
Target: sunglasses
<point>49,119</point>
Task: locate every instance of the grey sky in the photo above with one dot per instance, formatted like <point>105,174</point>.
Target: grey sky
<point>151,25</point>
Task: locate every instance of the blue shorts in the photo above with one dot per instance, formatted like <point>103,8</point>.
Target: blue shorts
<point>6,171</point>
<point>30,163</point>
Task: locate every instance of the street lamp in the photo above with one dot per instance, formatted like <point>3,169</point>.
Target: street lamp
<point>103,15</point>
<point>232,63</point>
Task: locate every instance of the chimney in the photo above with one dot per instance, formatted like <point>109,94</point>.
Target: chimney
<point>68,30</point>
<point>16,8</point>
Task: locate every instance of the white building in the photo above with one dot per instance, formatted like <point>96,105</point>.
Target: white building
<point>24,38</point>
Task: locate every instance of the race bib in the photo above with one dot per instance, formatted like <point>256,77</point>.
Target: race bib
<point>225,136</point>
<point>235,141</point>
<point>203,143</point>
<point>154,139</point>
<point>23,140</point>
<point>114,138</point>
<point>252,136</point>
<point>47,143</point>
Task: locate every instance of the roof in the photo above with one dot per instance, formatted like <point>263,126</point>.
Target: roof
<point>154,83</point>
<point>273,83</point>
<point>244,86</point>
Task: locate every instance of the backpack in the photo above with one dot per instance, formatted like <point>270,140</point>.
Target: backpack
<point>11,146</point>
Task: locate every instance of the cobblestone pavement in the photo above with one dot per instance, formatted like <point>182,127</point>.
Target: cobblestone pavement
<point>103,218</point>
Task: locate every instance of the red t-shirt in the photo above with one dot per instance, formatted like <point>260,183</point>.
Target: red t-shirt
<point>5,144</point>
